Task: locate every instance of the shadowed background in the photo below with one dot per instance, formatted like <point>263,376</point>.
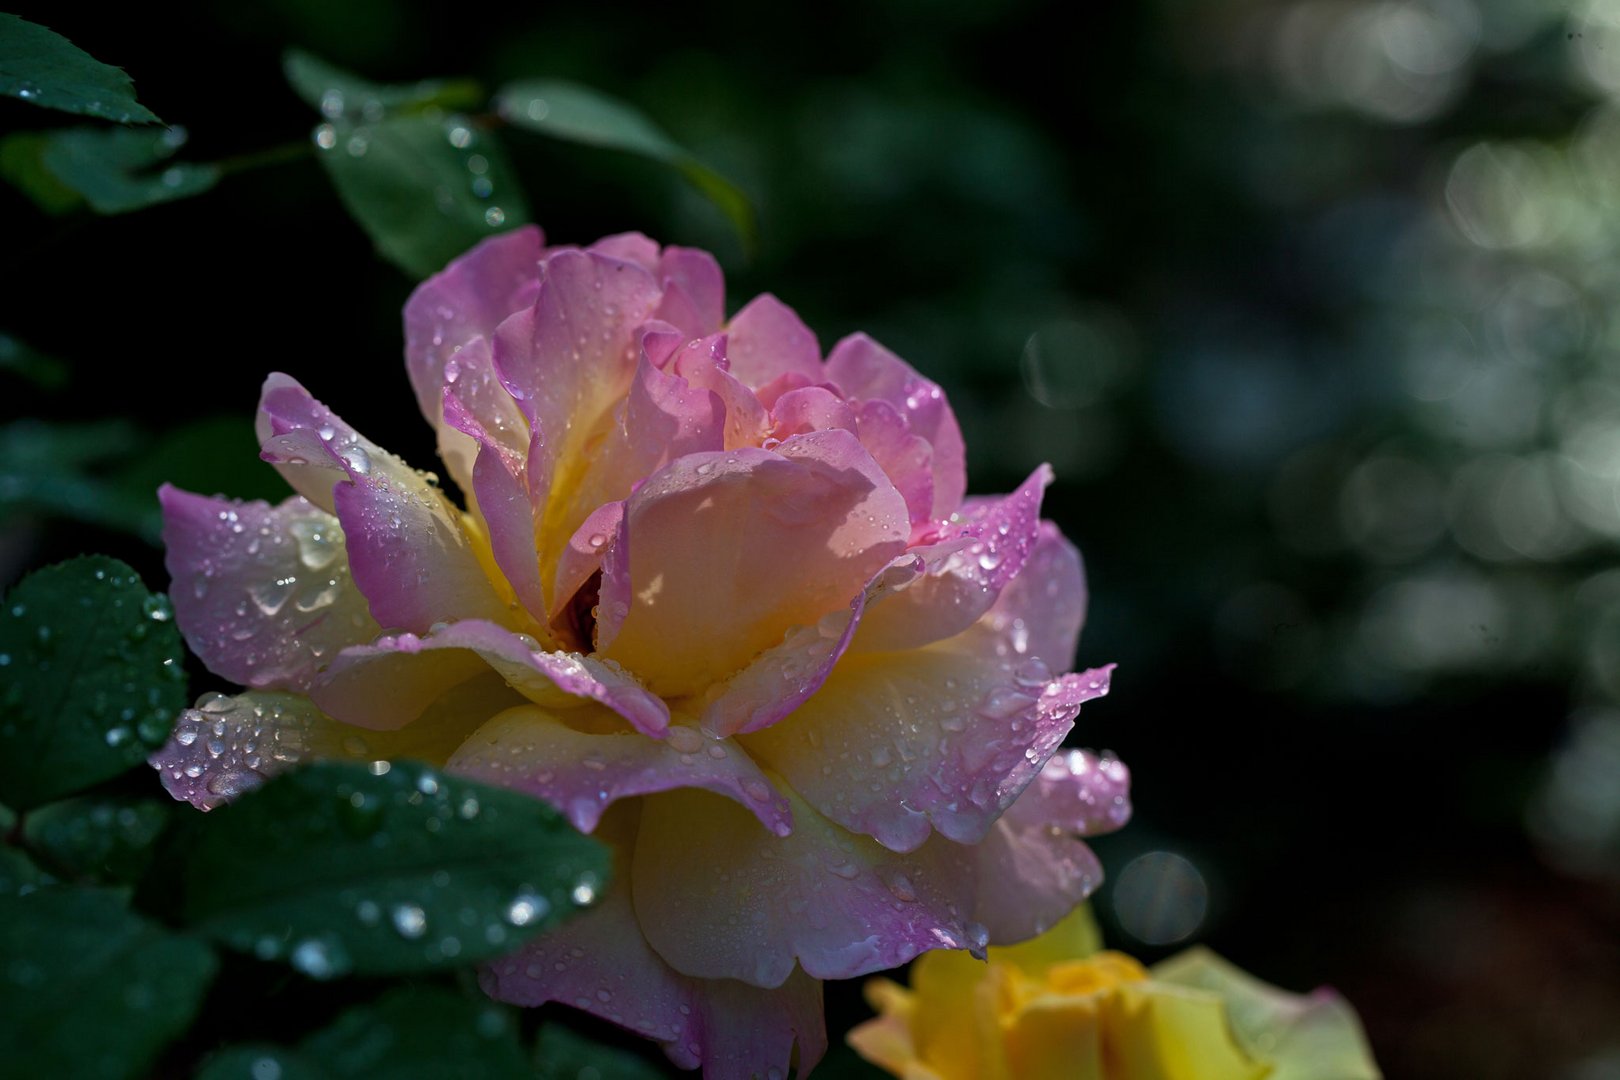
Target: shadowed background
<point>1310,305</point>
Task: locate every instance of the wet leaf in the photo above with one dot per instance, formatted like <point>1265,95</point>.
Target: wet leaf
<point>578,114</point>
<point>109,838</point>
<point>43,67</point>
<point>116,170</point>
<point>340,94</point>
<point>424,187</point>
<point>335,869</point>
<point>563,1055</point>
<point>92,678</point>
<point>18,874</point>
<point>89,989</point>
<point>422,1033</point>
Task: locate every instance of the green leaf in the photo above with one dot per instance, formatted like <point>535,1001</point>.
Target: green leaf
<point>105,837</point>
<point>340,94</point>
<point>48,469</point>
<point>257,1061</point>
<point>18,874</point>
<point>45,372</point>
<point>338,870</point>
<point>43,67</point>
<point>574,113</point>
<point>22,165</point>
<point>563,1055</point>
<point>91,989</point>
<point>93,678</point>
<point>424,188</point>
<point>115,169</point>
<point>421,1033</point>
<point>1302,1036</point>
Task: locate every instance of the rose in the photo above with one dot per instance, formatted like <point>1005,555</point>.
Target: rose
<point>716,599</point>
<point>1058,1008</point>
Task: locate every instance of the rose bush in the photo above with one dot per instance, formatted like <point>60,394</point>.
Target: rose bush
<point>1057,1008</point>
<point>717,599</point>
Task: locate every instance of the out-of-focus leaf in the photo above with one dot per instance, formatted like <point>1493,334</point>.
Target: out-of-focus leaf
<point>340,94</point>
<point>90,989</point>
<point>424,188</point>
<point>421,1033</point>
<point>92,678</point>
<point>574,113</point>
<point>116,170</point>
<point>563,1055</point>
<point>257,1061</point>
<point>337,869</point>
<point>217,454</point>
<point>18,874</point>
<point>104,837</point>
<point>22,165</point>
<point>43,67</point>
<point>46,372</point>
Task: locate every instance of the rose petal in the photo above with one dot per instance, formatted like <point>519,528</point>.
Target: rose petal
<point>782,677</point>
<point>721,554</point>
<point>387,684</point>
<point>768,340</point>
<point>905,456</point>
<point>694,291</point>
<point>753,1032</point>
<point>721,898</point>
<point>866,371</point>
<point>261,593</point>
<point>811,408</point>
<point>571,356</point>
<point>408,550</point>
<point>632,247</point>
<point>582,772</point>
<point>976,557</point>
<point>228,745</point>
<point>703,364</point>
<point>1029,877</point>
<point>1077,791</point>
<point>501,497</point>
<point>448,321</point>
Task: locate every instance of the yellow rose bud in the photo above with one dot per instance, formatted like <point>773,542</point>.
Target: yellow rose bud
<point>1056,1008</point>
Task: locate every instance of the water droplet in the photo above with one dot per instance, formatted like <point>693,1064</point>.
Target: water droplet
<point>526,908</point>
<point>357,459</point>
<point>410,921</point>
<point>314,959</point>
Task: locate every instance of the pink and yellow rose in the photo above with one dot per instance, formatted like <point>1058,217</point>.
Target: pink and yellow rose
<point>717,598</point>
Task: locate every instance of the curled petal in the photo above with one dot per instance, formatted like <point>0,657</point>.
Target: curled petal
<point>631,247</point>
<point>583,772</point>
<point>867,371</point>
<point>811,408</point>
<point>976,557</point>
<point>1077,791</point>
<point>721,898</point>
<point>389,683</point>
<point>448,321</point>
<point>228,745</point>
<point>768,340</point>
<point>703,364</point>
<point>261,593</point>
<point>906,457</point>
<point>1028,877</point>
<point>501,497</point>
<point>720,555</point>
<point>782,677</point>
<point>408,550</point>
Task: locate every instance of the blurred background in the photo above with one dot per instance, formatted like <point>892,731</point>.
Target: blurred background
<point>1313,306</point>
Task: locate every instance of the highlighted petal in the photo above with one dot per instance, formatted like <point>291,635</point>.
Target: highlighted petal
<point>1028,878</point>
<point>768,340</point>
<point>261,593</point>
<point>867,371</point>
<point>906,457</point>
<point>721,898</point>
<point>1077,791</point>
<point>702,363</point>
<point>694,291</point>
<point>579,764</point>
<point>389,683</point>
<point>408,551</point>
<point>753,1032</point>
<point>448,321</point>
<point>978,555</point>
<point>720,555</point>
